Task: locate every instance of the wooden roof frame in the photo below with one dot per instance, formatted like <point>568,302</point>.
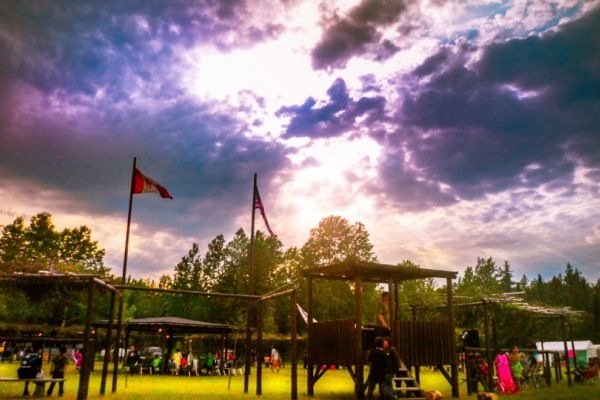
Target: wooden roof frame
<point>84,281</point>
<point>172,324</point>
<point>374,272</point>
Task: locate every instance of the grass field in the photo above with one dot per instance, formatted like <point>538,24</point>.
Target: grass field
<point>335,385</point>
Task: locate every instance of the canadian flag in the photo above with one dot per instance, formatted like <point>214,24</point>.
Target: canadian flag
<point>144,184</point>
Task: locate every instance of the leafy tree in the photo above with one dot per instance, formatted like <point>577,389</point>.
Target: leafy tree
<point>418,292</point>
<point>335,240</point>
<point>40,246</point>
<point>505,277</point>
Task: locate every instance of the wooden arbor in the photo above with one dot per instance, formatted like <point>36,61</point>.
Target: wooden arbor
<point>73,281</point>
<point>341,341</point>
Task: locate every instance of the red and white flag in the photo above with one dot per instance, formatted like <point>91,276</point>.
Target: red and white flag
<point>144,184</point>
<point>258,204</point>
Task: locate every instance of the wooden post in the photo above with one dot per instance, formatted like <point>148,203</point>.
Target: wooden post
<point>547,368</point>
<point>557,368</point>
<point>88,350</point>
<point>123,281</point>
<point>359,373</point>
<point>165,361</point>
<point>413,312</point>
<point>259,348</point>
<point>564,335</point>
<point>107,343</point>
<point>310,389</point>
<point>252,290</point>
<point>294,355</point>
<point>488,344</point>
<point>572,344</point>
<point>393,301</point>
<point>127,334</point>
<point>454,366</point>
<point>223,362</point>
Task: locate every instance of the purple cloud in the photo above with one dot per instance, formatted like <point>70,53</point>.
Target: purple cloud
<point>334,118</point>
<point>356,33</point>
<point>522,115</point>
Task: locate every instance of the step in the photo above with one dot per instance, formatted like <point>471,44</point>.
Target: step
<point>407,389</point>
<point>404,378</point>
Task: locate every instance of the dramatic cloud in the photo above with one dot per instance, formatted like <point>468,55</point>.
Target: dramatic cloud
<point>352,35</point>
<point>520,113</point>
<point>339,115</point>
<point>89,88</point>
<point>444,123</point>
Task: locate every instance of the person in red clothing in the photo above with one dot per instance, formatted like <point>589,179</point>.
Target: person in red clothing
<point>78,358</point>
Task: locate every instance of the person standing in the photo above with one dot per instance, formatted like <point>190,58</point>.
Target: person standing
<point>382,319</point>
<point>57,371</point>
<point>377,365</point>
<point>176,359</point>
<point>392,365</point>
<point>133,359</point>
<point>78,358</point>
<point>31,365</point>
<point>516,367</point>
<point>275,360</point>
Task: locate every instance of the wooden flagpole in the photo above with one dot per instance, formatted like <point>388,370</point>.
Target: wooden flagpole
<point>123,281</point>
<point>252,290</point>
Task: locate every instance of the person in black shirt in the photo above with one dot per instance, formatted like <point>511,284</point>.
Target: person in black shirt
<point>33,365</point>
<point>378,361</point>
<point>59,364</point>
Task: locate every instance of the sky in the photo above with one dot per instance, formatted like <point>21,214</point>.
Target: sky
<point>451,129</point>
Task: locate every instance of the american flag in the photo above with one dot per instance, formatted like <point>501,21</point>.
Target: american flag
<point>259,205</point>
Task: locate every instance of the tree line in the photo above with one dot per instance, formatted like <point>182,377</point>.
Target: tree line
<point>223,266</point>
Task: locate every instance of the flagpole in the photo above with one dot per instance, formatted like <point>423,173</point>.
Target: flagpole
<point>124,277</point>
<point>252,290</point>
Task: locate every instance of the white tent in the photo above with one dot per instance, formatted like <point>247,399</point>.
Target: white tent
<point>580,346</point>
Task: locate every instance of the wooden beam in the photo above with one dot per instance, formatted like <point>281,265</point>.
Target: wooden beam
<point>88,350</point>
<point>108,343</point>
<point>190,292</point>
<point>358,300</point>
<point>294,332</point>
<point>259,348</point>
<point>310,386</point>
<point>564,335</point>
<point>452,322</point>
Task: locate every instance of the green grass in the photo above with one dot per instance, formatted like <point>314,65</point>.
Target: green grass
<point>334,385</point>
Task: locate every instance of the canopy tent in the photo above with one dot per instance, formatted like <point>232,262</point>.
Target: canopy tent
<point>169,327</point>
<point>584,349</point>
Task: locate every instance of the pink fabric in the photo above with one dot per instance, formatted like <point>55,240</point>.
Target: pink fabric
<point>505,380</point>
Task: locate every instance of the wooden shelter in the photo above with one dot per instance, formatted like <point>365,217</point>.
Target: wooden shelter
<point>342,342</point>
<point>73,281</point>
<point>170,327</point>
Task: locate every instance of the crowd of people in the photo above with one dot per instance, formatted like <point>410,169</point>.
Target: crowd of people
<point>180,363</point>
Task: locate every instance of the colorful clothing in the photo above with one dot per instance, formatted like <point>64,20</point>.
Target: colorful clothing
<point>506,383</point>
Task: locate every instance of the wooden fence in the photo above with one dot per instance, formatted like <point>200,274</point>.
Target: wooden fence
<point>331,342</point>
<point>424,343</point>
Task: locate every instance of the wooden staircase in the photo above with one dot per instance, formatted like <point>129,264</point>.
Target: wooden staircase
<point>405,386</point>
